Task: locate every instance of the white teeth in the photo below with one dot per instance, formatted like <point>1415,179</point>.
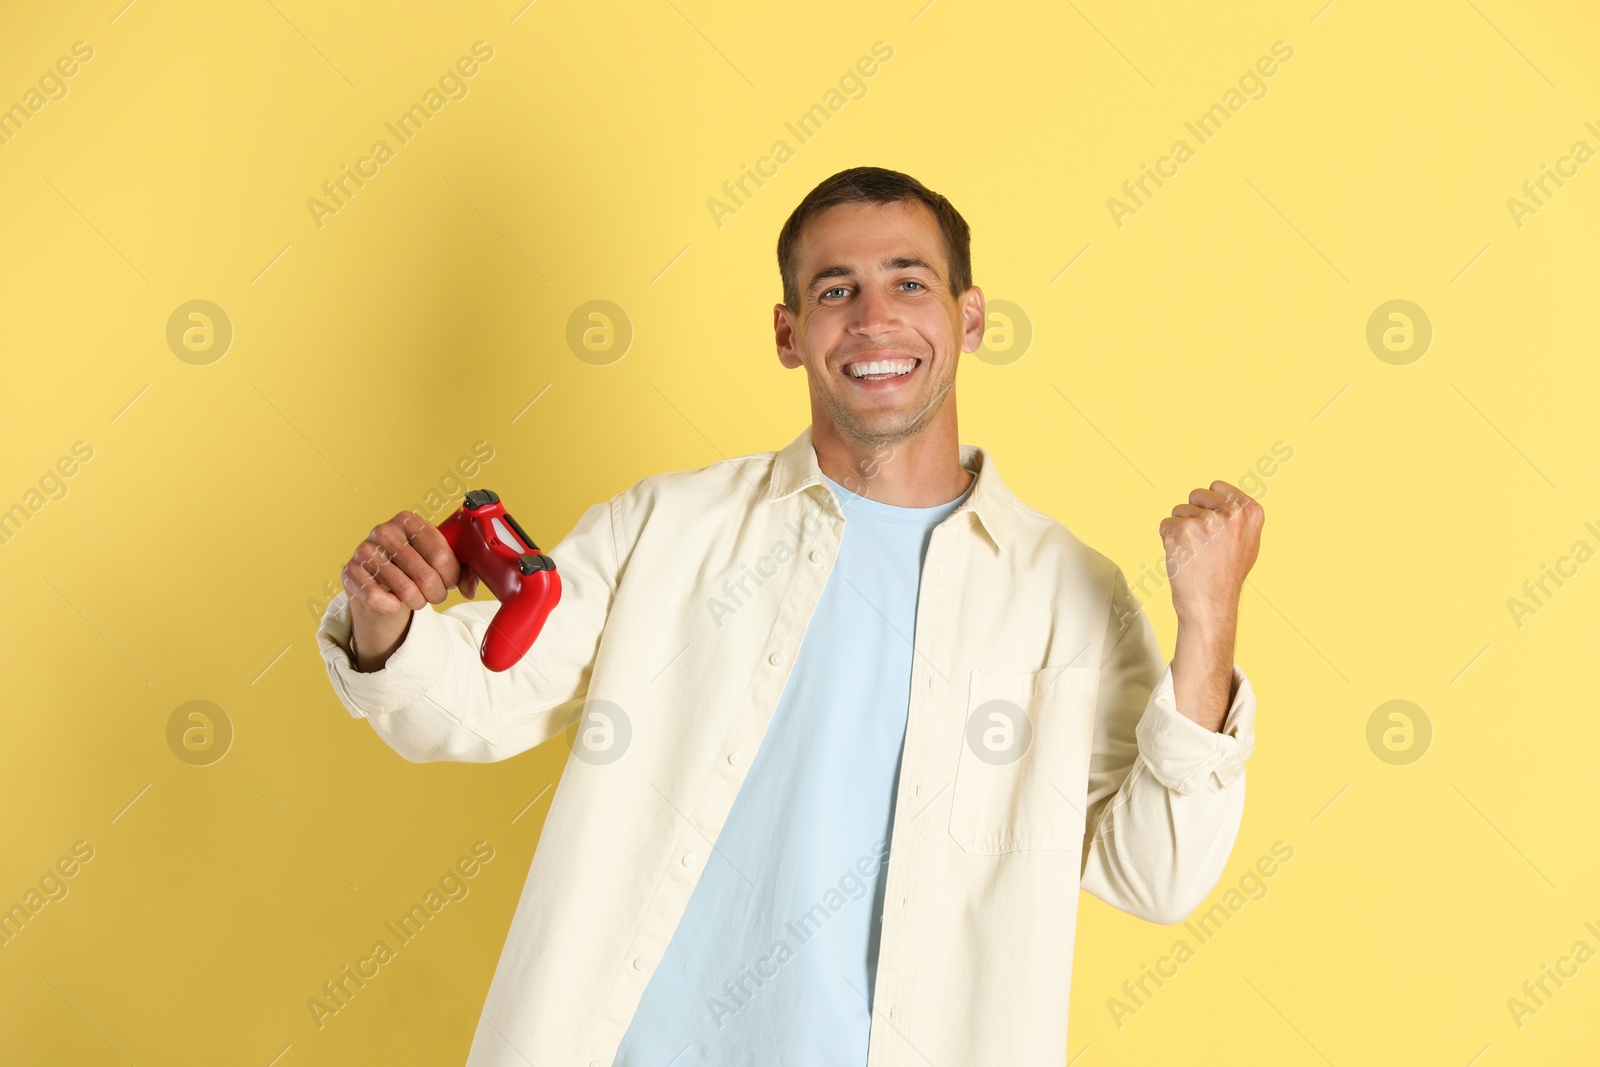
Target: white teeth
<point>898,367</point>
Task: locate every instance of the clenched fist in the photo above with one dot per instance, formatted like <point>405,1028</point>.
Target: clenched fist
<point>401,566</point>
<point>1211,544</point>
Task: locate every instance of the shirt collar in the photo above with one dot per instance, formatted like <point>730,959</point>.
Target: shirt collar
<point>795,468</point>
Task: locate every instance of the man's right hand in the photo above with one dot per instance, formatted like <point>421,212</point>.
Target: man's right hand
<point>403,564</point>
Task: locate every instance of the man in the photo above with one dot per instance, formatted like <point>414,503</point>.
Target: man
<point>854,723</point>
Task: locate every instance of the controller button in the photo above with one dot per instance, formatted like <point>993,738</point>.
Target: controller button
<point>535,561</point>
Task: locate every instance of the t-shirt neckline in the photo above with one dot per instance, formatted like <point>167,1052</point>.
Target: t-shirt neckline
<point>894,512</point>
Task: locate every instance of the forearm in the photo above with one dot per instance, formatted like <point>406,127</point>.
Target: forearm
<point>431,698</point>
<point>1166,791</point>
<point>374,636</point>
<point>1202,670</point>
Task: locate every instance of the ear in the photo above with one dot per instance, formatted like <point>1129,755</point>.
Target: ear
<point>974,319</point>
<point>786,333</point>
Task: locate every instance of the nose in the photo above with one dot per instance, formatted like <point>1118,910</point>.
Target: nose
<point>875,313</point>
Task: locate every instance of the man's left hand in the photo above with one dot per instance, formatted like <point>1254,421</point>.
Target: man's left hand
<point>1211,544</point>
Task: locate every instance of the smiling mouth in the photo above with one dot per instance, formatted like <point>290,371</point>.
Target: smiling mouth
<point>880,370</point>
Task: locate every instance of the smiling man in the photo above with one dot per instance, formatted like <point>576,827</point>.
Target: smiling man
<point>843,818</point>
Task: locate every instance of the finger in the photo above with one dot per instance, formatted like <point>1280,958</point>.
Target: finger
<point>374,560</point>
<point>1171,530</point>
<point>469,583</point>
<point>368,591</point>
<point>1190,511</point>
<point>430,544</point>
<point>402,555</point>
<point>1220,497</point>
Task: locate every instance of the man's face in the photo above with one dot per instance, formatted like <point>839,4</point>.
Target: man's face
<point>875,289</point>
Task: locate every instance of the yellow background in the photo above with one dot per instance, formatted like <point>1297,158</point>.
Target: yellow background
<point>369,354</point>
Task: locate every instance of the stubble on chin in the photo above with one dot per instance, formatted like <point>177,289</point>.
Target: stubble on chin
<point>880,436</point>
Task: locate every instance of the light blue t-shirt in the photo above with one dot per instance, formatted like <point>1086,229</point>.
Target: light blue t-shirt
<point>774,958</point>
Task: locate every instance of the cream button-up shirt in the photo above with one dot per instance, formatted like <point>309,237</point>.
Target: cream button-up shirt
<point>1044,753</point>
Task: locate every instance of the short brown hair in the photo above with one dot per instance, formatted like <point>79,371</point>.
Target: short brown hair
<point>875,185</point>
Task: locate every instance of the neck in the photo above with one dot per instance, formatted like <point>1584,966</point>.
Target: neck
<point>923,471</point>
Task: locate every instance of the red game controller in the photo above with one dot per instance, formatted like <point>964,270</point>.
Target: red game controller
<point>489,542</point>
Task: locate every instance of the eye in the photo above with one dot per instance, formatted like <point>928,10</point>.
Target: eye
<point>835,289</point>
<point>918,284</point>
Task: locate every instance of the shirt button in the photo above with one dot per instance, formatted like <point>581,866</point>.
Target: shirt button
<point>638,964</point>
<point>688,860</point>
<point>736,758</point>
<point>816,555</point>
<point>775,659</point>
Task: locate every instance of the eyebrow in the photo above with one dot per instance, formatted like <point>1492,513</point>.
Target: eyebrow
<point>840,270</point>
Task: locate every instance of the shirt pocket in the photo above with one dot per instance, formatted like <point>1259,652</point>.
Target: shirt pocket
<point>1023,772</point>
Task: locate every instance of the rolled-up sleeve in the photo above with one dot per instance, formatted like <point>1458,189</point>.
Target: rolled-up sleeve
<point>407,674</point>
<point>435,700</point>
<point>1166,795</point>
<point>1185,756</point>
